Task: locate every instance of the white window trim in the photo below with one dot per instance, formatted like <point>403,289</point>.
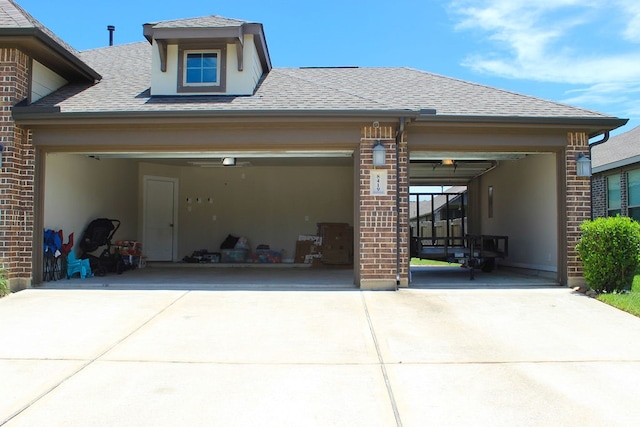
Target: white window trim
<point>218,53</point>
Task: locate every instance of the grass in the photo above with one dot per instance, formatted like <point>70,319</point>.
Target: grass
<point>418,261</point>
<point>4,286</point>
<point>628,302</point>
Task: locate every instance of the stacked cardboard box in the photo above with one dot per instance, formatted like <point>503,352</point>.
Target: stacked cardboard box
<point>337,243</point>
<point>307,248</point>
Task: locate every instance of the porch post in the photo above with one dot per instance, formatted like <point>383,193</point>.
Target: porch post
<point>578,204</point>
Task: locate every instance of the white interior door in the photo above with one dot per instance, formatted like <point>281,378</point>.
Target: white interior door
<point>160,200</point>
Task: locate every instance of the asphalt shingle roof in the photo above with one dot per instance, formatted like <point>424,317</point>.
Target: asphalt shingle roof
<point>617,148</point>
<point>212,21</point>
<point>126,71</point>
<point>14,16</point>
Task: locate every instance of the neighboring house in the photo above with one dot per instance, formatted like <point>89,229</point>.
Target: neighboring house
<point>616,176</point>
<point>450,204</point>
<point>138,132</point>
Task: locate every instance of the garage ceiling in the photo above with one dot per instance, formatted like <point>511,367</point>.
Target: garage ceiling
<point>453,168</point>
<point>243,158</point>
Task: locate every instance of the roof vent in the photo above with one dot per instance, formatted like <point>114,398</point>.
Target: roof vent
<point>111,29</point>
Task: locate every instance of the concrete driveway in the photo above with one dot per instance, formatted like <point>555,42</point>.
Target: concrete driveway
<point>443,357</point>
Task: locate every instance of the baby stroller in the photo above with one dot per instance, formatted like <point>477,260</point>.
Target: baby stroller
<point>99,233</point>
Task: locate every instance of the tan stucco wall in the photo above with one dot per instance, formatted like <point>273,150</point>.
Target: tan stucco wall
<point>238,82</point>
<point>524,209</point>
<point>79,189</point>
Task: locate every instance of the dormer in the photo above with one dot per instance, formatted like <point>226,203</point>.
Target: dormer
<point>211,55</point>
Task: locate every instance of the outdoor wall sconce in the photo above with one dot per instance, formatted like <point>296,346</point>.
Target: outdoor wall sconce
<point>447,162</point>
<point>379,154</point>
<point>583,165</point>
<point>229,161</point>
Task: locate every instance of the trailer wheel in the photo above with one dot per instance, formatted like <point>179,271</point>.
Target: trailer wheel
<point>488,266</point>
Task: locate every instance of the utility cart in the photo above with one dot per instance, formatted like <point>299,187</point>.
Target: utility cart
<point>438,224</point>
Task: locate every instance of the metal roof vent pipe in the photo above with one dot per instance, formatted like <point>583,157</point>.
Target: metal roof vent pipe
<point>111,29</point>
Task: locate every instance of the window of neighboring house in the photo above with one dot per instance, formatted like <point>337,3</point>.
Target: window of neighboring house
<point>201,70</point>
<point>633,191</point>
<point>613,195</point>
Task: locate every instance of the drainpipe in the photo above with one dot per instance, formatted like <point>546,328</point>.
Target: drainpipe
<point>399,136</point>
<point>605,138</point>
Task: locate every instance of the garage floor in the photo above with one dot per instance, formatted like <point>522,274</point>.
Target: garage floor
<point>278,277</point>
<point>442,277</point>
<point>181,276</point>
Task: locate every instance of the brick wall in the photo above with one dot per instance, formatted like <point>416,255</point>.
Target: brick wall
<point>16,175</point>
<point>599,196</point>
<point>578,204</point>
<point>624,194</point>
<point>379,230</point>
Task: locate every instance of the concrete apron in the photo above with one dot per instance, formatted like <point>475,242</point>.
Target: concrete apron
<point>414,357</point>
<point>288,277</point>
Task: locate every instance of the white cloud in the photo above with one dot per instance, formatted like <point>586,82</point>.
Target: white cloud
<point>541,40</point>
<point>588,43</point>
<point>632,11</point>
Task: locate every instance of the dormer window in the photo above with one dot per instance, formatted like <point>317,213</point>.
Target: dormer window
<point>201,70</point>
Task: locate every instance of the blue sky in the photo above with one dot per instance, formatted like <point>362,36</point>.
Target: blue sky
<point>581,52</point>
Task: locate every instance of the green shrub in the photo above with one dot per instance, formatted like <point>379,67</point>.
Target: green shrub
<point>4,285</point>
<point>609,249</point>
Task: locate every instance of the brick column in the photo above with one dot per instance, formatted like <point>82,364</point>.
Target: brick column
<point>578,204</point>
<point>378,227</point>
<point>16,174</point>
<point>403,195</point>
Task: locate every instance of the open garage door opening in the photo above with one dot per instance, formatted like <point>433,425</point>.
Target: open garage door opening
<point>183,210</point>
<point>476,218</point>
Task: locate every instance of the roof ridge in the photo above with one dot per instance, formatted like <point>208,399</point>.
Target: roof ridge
<point>123,45</point>
<point>193,18</point>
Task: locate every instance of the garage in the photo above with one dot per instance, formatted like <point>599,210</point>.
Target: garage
<point>192,136</point>
<point>180,205</point>
<point>509,199</point>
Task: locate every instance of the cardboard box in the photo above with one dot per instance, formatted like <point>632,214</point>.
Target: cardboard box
<point>337,243</point>
<point>303,249</point>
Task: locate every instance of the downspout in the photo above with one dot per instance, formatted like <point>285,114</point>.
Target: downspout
<point>399,136</point>
<point>604,139</point>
